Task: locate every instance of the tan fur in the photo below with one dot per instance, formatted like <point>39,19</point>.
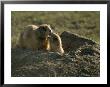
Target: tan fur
<point>55,43</point>
<point>35,37</point>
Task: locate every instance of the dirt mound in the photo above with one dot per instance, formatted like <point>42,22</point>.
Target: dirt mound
<point>82,59</point>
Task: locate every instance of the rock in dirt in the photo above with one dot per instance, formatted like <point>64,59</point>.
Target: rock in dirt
<point>73,41</point>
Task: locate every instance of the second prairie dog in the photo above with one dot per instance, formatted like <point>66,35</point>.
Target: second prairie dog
<point>35,37</point>
<point>55,43</point>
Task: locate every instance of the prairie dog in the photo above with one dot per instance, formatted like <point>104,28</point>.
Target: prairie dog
<point>35,37</point>
<point>55,43</point>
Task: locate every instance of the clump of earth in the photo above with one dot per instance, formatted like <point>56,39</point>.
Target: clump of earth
<point>81,59</point>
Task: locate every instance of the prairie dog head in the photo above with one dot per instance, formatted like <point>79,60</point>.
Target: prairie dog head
<point>55,43</point>
<point>44,30</point>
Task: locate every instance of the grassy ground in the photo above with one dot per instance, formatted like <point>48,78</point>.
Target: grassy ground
<point>79,22</point>
<point>81,62</point>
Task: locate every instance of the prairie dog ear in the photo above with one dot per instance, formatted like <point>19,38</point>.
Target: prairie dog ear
<point>57,33</point>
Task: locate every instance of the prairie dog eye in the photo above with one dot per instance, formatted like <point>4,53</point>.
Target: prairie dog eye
<point>43,27</point>
<point>50,31</point>
<point>55,38</point>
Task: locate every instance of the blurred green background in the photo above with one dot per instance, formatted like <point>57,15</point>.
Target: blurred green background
<point>84,23</point>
